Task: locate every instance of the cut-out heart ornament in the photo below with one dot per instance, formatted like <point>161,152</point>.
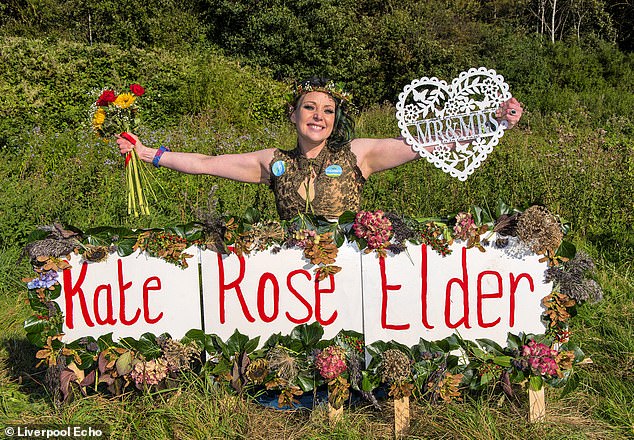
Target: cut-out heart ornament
<point>432,114</point>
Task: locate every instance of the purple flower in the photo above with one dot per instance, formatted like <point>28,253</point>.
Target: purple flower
<point>45,281</point>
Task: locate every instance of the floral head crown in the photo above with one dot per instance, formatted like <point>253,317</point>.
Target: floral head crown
<point>333,89</point>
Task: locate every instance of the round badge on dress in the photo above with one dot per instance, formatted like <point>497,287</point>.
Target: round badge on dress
<point>333,171</point>
<point>278,168</point>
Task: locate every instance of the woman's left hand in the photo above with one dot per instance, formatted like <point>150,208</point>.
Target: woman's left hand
<point>510,111</point>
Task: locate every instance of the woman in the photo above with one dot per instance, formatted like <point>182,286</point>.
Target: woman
<point>325,173</point>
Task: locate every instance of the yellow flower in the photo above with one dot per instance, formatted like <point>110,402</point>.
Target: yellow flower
<point>99,117</point>
<point>124,100</point>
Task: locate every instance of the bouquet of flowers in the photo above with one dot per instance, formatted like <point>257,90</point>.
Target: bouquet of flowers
<point>117,114</point>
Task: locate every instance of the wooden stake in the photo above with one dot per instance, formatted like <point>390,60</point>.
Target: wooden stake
<point>537,405</point>
<point>401,417</point>
<point>334,415</point>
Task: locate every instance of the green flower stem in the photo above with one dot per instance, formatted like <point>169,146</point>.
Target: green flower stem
<point>130,185</point>
<point>138,189</point>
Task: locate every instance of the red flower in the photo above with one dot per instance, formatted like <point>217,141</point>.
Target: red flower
<point>107,97</point>
<point>137,89</point>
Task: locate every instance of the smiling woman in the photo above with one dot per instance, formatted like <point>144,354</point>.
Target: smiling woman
<point>324,174</point>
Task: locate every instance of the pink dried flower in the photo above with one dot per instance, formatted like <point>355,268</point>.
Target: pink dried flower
<point>464,226</point>
<point>541,358</point>
<point>331,362</point>
<point>149,372</point>
<point>374,227</point>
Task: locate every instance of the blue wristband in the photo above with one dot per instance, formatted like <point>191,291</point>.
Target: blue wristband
<point>158,155</point>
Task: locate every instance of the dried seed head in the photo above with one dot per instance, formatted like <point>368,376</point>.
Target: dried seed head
<point>540,230</point>
<point>395,366</point>
<point>281,361</point>
<point>257,371</point>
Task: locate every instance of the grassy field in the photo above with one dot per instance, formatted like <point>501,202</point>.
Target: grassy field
<point>579,168</point>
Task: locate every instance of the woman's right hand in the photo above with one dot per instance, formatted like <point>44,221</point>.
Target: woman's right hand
<point>128,142</point>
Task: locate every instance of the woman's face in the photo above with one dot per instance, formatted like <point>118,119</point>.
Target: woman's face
<point>314,118</point>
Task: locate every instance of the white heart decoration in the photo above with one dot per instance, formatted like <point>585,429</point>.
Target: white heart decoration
<point>431,113</point>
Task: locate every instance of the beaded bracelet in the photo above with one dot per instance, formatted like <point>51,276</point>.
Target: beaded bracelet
<point>158,155</point>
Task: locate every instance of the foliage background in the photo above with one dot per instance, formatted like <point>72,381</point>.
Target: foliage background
<point>216,73</point>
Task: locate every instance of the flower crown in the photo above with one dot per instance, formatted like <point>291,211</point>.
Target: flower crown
<point>334,90</point>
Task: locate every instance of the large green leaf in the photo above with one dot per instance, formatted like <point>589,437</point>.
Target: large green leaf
<point>38,234</point>
<point>514,341</point>
<point>503,361</point>
<point>306,381</point>
<point>124,363</point>
<point>33,324</point>
<point>490,346</point>
<point>369,381</point>
<point>502,208</point>
<point>567,250</point>
<point>348,217</point>
<point>309,335</point>
<point>105,341</point>
<point>125,247</point>
<point>251,215</point>
<point>55,293</point>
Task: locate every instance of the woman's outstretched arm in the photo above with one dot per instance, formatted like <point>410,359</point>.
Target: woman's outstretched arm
<point>375,155</point>
<point>250,167</point>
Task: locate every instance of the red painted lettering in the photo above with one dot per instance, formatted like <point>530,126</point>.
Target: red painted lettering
<point>70,291</point>
<point>267,276</point>
<point>423,291</point>
<point>146,303</point>
<point>464,285</point>
<point>514,282</point>
<point>318,293</point>
<point>301,299</point>
<point>482,296</point>
<point>109,308</point>
<point>122,288</point>
<point>385,287</point>
<point>232,285</point>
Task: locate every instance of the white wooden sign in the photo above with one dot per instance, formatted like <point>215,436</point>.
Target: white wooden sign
<point>265,293</point>
<point>420,294</point>
<point>403,297</point>
<point>432,114</point>
<point>129,296</point>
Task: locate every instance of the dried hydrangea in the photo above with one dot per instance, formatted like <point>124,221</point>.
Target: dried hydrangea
<point>149,372</point>
<point>331,362</point>
<point>541,358</point>
<point>395,366</point>
<point>46,280</point>
<point>572,281</point>
<point>374,227</point>
<point>465,226</point>
<point>540,230</point>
